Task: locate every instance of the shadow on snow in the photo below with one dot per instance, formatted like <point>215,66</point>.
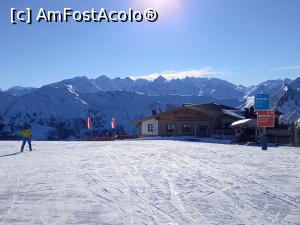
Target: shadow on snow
<point>11,154</point>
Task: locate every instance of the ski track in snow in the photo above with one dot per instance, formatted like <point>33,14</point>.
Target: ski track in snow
<point>148,182</point>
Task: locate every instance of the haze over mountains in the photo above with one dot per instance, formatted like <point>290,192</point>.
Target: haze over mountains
<point>58,110</point>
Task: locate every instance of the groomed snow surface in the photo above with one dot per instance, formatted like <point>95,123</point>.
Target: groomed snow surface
<point>148,182</point>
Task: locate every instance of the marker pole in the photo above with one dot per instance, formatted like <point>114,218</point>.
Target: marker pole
<point>264,141</point>
<point>91,128</point>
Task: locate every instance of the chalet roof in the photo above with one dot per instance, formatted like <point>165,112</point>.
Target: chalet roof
<point>217,110</point>
<point>211,109</point>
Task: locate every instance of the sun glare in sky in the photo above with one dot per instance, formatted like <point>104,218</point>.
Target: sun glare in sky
<point>165,8</point>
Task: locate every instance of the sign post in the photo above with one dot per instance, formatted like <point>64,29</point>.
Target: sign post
<point>265,116</point>
<point>264,142</point>
<point>262,102</point>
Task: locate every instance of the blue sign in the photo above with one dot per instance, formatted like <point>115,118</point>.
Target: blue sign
<point>262,101</point>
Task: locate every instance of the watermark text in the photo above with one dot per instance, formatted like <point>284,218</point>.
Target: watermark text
<point>68,14</point>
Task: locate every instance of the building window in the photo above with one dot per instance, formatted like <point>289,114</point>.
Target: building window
<point>150,127</point>
<point>187,129</point>
<point>171,128</point>
<point>203,130</point>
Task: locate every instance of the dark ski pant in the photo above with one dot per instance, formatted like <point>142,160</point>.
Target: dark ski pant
<point>24,142</point>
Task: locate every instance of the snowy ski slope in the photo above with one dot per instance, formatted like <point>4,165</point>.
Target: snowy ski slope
<point>148,182</point>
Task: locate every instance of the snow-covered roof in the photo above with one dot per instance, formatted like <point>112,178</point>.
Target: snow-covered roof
<point>244,123</point>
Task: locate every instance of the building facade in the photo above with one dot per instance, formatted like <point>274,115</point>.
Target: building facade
<point>191,120</point>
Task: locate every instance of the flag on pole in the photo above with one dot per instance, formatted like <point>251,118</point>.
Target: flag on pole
<point>114,122</point>
<point>89,122</point>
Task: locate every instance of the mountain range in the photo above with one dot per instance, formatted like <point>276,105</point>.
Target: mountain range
<point>57,111</point>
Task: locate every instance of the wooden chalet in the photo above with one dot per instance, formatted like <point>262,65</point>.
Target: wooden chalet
<point>203,120</point>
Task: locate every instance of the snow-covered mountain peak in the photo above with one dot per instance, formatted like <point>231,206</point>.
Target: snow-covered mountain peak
<point>160,79</point>
<point>81,84</point>
<point>102,77</point>
<point>19,91</point>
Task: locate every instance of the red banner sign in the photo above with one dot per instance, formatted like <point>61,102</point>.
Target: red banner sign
<point>265,118</point>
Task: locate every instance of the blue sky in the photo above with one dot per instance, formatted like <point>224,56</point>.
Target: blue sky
<point>242,41</point>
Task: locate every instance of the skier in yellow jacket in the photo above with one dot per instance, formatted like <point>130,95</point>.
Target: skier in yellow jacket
<point>26,135</point>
